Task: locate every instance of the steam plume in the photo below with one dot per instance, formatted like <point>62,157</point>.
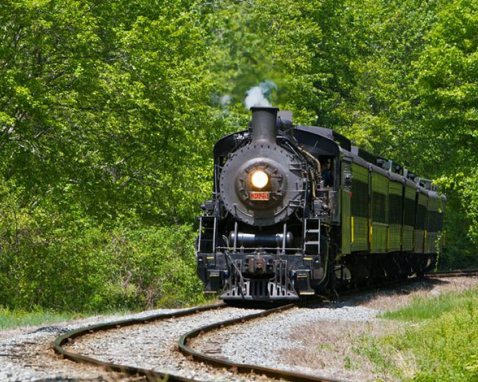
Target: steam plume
<point>257,95</point>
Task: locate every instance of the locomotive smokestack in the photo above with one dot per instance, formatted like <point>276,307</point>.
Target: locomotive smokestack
<point>264,124</point>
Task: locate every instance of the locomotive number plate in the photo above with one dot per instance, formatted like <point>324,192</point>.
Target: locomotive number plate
<point>259,195</point>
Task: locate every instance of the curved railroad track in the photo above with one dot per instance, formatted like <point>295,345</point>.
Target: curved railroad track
<point>184,342</point>
<point>239,367</point>
<point>149,374</point>
<point>183,347</point>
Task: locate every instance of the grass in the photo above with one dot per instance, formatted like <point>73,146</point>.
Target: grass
<point>439,342</point>
<point>423,308</point>
<point>10,319</point>
<point>14,318</point>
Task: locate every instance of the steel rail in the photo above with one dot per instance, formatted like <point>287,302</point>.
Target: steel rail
<point>240,367</point>
<point>454,273</point>
<point>149,374</point>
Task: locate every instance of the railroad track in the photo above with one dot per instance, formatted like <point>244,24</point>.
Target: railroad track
<point>239,367</point>
<point>183,346</point>
<point>454,273</point>
<point>185,340</point>
<point>150,375</point>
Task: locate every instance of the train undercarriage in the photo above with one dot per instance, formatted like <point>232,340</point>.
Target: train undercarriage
<point>243,272</point>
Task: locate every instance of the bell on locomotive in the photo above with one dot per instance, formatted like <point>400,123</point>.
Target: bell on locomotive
<point>265,233</point>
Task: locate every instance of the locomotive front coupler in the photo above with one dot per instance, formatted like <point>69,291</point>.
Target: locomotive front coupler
<point>259,263</point>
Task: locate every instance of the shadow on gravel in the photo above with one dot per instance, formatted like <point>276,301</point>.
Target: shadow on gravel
<point>49,329</point>
<point>360,297</point>
<point>257,304</point>
<point>345,297</point>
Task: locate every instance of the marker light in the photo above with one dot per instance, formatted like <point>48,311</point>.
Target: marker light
<point>259,179</point>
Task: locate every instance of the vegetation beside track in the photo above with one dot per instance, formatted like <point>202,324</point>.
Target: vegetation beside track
<point>439,342</point>
<point>77,267</point>
<point>109,111</point>
<point>14,318</point>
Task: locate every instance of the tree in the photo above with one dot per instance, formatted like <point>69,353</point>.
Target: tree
<point>447,95</point>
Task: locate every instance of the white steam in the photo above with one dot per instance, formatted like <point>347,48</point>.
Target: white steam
<point>257,95</point>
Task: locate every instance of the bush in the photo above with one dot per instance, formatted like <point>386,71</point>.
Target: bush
<point>64,261</point>
<point>153,266</point>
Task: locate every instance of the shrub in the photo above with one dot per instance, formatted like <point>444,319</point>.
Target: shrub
<point>64,261</point>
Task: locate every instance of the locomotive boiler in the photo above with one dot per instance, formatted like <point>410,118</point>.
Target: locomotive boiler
<point>298,210</point>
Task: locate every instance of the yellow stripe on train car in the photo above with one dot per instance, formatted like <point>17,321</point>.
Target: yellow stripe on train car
<point>370,233</point>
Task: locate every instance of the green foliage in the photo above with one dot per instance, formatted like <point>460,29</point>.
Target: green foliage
<point>423,308</point>
<point>441,345</point>
<point>116,116</point>
<point>109,111</point>
<point>279,41</point>
<point>106,131</point>
<point>72,264</point>
<point>446,89</point>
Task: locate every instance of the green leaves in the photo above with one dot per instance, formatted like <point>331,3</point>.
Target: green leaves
<point>104,121</point>
<point>447,87</point>
<point>106,104</point>
<point>109,110</point>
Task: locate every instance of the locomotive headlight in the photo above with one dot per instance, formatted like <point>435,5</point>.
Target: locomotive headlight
<point>259,179</point>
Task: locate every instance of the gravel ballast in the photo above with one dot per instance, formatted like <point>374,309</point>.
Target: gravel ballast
<point>154,345</point>
<point>264,341</point>
<point>26,353</point>
<point>318,341</point>
<point>308,340</point>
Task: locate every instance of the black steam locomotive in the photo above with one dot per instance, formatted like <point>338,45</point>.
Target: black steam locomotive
<point>298,210</point>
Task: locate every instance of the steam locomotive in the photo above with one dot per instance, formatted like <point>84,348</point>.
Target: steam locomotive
<point>298,210</point>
